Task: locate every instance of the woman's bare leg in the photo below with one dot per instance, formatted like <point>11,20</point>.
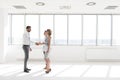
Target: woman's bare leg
<point>45,63</point>
<point>48,63</point>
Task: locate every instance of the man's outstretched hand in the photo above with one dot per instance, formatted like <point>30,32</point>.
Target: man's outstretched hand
<point>37,43</point>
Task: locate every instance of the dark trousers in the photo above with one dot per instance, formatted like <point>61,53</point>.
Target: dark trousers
<point>26,51</point>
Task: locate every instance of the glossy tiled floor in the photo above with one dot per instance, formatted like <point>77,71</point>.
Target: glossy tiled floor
<point>87,71</point>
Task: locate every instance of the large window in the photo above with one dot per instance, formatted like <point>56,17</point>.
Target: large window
<point>116,30</point>
<point>100,30</point>
<point>17,28</point>
<point>104,30</point>
<point>61,29</point>
<point>89,30</point>
<point>46,22</point>
<point>75,29</point>
<point>33,21</point>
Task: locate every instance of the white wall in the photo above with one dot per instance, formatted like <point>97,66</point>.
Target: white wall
<point>58,53</point>
<point>68,53</point>
<point>3,33</point>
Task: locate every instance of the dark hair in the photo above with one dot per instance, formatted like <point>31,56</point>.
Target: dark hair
<point>49,32</point>
<point>28,27</point>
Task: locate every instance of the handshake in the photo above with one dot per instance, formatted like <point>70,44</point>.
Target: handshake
<point>38,43</point>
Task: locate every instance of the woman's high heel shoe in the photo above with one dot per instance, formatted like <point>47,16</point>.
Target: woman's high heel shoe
<point>48,71</point>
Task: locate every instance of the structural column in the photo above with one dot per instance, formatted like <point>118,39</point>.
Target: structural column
<point>3,34</point>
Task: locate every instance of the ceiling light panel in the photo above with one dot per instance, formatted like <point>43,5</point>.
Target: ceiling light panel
<point>19,7</point>
<point>111,7</point>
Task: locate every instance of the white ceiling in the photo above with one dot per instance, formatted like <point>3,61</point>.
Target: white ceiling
<point>52,6</point>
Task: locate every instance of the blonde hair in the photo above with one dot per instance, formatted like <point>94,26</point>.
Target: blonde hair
<point>49,32</point>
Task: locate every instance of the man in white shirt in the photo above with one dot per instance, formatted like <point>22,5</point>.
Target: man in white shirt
<point>26,47</point>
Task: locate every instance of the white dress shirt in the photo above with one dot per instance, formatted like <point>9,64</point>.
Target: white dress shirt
<point>26,38</point>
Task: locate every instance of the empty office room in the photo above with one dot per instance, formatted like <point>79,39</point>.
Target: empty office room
<point>59,39</point>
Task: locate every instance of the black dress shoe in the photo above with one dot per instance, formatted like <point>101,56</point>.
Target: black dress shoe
<point>48,71</point>
<point>26,71</point>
